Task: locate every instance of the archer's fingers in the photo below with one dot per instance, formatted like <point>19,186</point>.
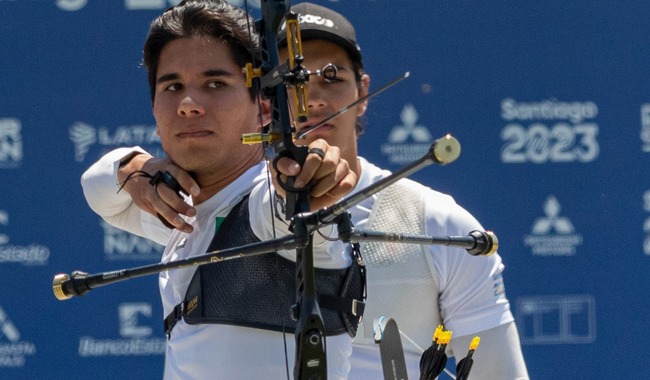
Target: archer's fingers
<point>329,162</point>
<point>321,162</point>
<point>170,204</point>
<point>335,184</point>
<point>175,201</point>
<point>171,218</point>
<point>329,198</point>
<point>286,166</point>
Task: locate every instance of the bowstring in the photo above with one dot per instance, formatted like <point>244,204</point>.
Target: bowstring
<point>272,206</point>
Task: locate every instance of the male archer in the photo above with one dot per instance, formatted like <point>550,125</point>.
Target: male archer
<point>227,320</point>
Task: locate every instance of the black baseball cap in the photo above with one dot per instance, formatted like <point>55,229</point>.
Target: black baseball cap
<point>318,22</point>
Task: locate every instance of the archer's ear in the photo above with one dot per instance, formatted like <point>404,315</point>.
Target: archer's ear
<point>265,109</point>
<point>364,85</point>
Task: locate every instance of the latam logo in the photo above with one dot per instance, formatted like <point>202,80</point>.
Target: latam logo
<point>135,329</point>
<point>13,350</point>
<point>11,143</point>
<point>85,137</point>
<point>409,140</point>
<point>552,234</point>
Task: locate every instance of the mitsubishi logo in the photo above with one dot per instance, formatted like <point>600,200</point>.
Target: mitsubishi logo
<point>407,141</point>
<point>400,133</point>
<point>553,235</point>
<point>561,225</point>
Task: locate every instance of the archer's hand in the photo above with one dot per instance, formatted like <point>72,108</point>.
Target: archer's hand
<point>160,200</point>
<point>329,175</point>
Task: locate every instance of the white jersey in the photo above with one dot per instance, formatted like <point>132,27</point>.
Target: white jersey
<point>421,286</point>
<point>213,351</point>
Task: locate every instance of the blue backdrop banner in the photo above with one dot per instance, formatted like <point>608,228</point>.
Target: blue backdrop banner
<point>549,101</point>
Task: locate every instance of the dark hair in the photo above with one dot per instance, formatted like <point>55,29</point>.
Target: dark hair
<point>215,18</point>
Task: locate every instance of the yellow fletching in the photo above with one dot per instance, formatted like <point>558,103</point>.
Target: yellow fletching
<point>436,334</point>
<point>474,344</point>
<point>445,337</point>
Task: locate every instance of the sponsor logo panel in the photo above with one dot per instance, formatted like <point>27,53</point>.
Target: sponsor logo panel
<point>121,245</point>
<point>14,350</point>
<point>32,254</point>
<point>549,131</point>
<point>561,319</point>
<point>87,138</point>
<point>407,141</point>
<point>553,234</point>
<point>135,335</point>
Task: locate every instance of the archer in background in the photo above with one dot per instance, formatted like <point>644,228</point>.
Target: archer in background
<point>227,320</point>
<point>419,286</point>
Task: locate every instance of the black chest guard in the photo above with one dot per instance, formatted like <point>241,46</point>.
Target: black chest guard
<point>259,291</point>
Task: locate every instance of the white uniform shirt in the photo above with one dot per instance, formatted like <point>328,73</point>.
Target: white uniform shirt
<point>468,289</point>
<point>213,351</point>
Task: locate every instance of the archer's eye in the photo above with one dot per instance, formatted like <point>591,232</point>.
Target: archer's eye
<point>173,87</point>
<point>216,84</point>
<point>330,73</point>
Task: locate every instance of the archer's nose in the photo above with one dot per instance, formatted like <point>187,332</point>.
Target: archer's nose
<point>188,107</point>
<point>315,96</point>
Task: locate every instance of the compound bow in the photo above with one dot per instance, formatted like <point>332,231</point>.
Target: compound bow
<point>274,78</point>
